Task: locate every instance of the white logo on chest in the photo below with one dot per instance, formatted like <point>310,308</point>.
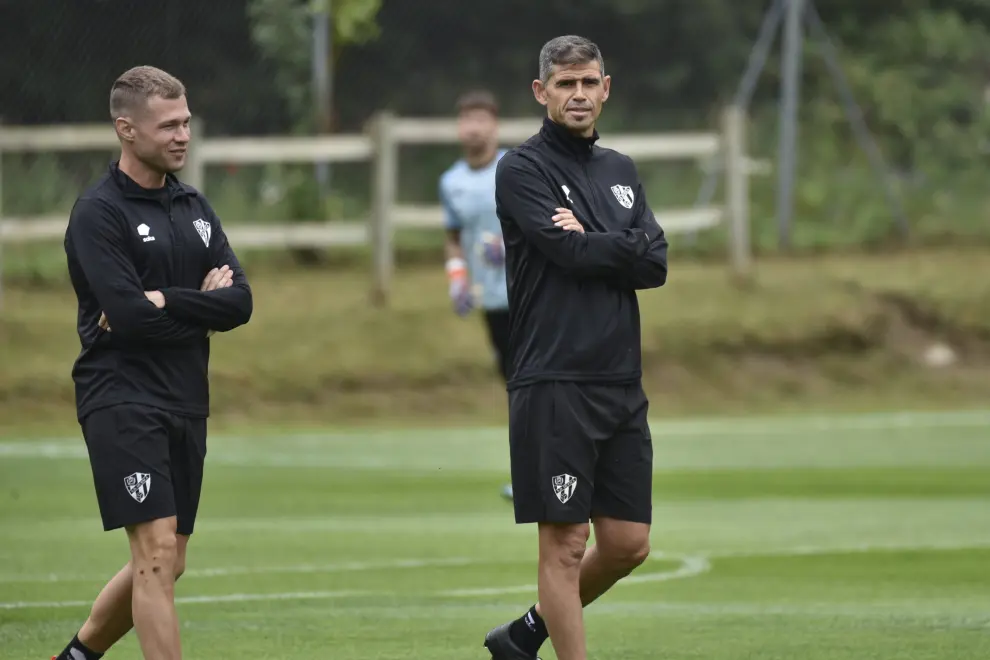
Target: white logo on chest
<point>567,193</point>
<point>144,231</point>
<point>205,230</point>
<point>624,194</point>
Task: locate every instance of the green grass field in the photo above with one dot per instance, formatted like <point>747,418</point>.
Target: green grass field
<point>853,537</point>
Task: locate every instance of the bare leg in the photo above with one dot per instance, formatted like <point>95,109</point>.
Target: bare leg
<point>561,550</point>
<point>111,617</point>
<point>153,558</point>
<point>619,548</point>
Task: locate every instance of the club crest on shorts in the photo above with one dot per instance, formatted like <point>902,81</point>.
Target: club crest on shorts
<point>138,486</point>
<point>624,194</point>
<point>564,486</point>
<point>205,230</point>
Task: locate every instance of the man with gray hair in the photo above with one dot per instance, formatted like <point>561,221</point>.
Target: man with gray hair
<point>580,240</point>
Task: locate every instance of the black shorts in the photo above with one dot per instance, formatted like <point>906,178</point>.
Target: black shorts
<point>147,464</point>
<point>580,451</point>
<point>497,322</point>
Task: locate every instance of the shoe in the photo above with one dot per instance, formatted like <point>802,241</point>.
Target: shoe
<point>499,643</point>
<point>507,492</point>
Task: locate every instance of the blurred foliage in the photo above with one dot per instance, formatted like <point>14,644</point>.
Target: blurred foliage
<point>918,69</point>
<point>282,31</point>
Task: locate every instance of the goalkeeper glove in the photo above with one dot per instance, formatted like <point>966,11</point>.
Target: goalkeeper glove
<point>459,286</point>
<point>493,249</point>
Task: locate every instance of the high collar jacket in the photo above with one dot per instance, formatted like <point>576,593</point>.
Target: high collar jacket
<point>122,241</point>
<point>573,309</point>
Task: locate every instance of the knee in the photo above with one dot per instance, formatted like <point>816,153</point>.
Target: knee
<point>564,546</point>
<point>156,553</point>
<point>628,554</point>
<point>180,564</point>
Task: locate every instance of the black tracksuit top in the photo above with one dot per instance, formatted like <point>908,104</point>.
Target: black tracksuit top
<point>573,309</point>
<point>123,240</point>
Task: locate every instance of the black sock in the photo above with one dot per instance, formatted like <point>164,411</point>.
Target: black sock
<point>76,650</point>
<point>529,632</point>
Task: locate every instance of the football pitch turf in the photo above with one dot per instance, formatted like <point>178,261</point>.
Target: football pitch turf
<point>854,537</point>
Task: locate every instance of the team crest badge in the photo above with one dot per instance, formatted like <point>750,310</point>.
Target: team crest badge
<point>204,229</point>
<point>138,486</point>
<point>564,486</point>
<point>624,194</point>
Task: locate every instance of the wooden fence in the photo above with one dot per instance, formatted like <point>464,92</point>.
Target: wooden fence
<point>380,145</point>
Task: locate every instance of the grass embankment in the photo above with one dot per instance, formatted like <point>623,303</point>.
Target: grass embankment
<point>828,332</point>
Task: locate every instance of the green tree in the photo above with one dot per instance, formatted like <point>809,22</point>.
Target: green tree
<point>282,30</point>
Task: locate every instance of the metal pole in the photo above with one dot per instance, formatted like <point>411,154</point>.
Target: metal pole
<point>790,93</point>
<point>321,81</point>
<point>855,116</point>
<point>744,94</point>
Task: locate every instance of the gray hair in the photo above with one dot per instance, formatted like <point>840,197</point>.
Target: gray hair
<point>569,49</point>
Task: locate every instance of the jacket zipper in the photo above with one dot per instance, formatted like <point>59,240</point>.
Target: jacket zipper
<point>593,188</point>
<point>172,236</point>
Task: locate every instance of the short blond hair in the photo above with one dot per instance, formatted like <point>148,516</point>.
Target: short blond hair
<point>135,87</point>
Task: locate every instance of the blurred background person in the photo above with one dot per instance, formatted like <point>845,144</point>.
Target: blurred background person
<point>475,254</point>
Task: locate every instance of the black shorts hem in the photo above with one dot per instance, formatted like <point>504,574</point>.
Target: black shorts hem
<point>122,523</point>
<point>625,516</point>
<point>551,520</point>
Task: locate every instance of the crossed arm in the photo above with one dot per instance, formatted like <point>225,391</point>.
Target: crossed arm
<point>100,248</point>
<point>224,301</point>
<point>217,278</point>
<point>634,257</point>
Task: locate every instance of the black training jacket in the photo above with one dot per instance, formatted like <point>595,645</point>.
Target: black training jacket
<point>123,240</point>
<point>573,310</point>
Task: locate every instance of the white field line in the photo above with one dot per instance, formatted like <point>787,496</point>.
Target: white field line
<point>225,571</point>
<point>60,448</point>
<point>444,562</point>
<point>222,598</point>
<point>690,566</point>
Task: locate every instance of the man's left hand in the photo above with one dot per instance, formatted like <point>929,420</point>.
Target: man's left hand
<point>157,297</point>
<point>218,278</point>
<point>565,220</point>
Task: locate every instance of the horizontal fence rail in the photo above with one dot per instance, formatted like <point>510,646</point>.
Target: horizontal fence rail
<point>379,145</point>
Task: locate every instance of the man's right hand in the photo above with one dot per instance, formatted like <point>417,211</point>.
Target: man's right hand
<point>459,288</point>
<point>460,296</point>
<point>565,220</point>
<point>218,278</point>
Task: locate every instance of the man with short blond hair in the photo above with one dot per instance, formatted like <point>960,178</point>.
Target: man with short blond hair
<point>154,278</point>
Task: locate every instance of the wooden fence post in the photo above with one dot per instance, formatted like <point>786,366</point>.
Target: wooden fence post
<point>383,190</point>
<point>737,190</point>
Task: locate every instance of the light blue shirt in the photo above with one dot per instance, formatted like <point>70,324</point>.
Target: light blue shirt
<point>468,199</point>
